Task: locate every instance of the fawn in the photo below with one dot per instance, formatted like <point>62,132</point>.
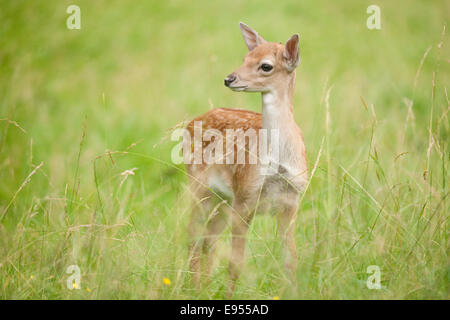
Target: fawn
<point>268,68</point>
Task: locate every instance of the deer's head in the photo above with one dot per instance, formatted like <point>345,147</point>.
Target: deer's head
<point>266,66</point>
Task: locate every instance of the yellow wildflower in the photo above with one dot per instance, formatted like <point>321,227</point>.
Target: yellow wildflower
<point>167,281</point>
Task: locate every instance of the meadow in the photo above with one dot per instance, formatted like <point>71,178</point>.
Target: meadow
<point>86,176</point>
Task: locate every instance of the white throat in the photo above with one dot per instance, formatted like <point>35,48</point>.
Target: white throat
<point>276,111</point>
<point>277,115</point>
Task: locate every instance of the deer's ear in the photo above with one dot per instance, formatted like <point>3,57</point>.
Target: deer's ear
<point>291,53</point>
<point>251,37</point>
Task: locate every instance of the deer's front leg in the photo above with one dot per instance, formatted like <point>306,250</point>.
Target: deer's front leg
<point>286,228</point>
<point>241,219</point>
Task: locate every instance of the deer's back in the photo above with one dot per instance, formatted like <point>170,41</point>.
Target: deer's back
<point>225,118</point>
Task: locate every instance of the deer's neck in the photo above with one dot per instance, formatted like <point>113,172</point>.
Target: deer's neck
<point>277,107</point>
<point>277,114</point>
<point>288,149</point>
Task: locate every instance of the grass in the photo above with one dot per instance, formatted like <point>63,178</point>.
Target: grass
<point>79,108</point>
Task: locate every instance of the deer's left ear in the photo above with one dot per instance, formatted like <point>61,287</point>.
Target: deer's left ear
<point>251,37</point>
<point>291,54</point>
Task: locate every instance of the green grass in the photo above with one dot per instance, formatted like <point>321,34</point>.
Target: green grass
<point>70,99</point>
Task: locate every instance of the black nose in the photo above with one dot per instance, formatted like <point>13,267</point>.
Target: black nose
<point>229,79</point>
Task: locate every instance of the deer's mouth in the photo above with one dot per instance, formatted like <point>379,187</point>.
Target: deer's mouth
<point>238,88</point>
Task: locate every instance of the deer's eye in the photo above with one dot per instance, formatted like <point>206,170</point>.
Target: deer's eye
<point>266,67</point>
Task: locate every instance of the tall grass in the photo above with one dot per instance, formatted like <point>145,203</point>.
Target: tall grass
<point>85,170</point>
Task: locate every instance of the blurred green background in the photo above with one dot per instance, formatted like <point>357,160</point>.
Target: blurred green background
<point>76,99</point>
